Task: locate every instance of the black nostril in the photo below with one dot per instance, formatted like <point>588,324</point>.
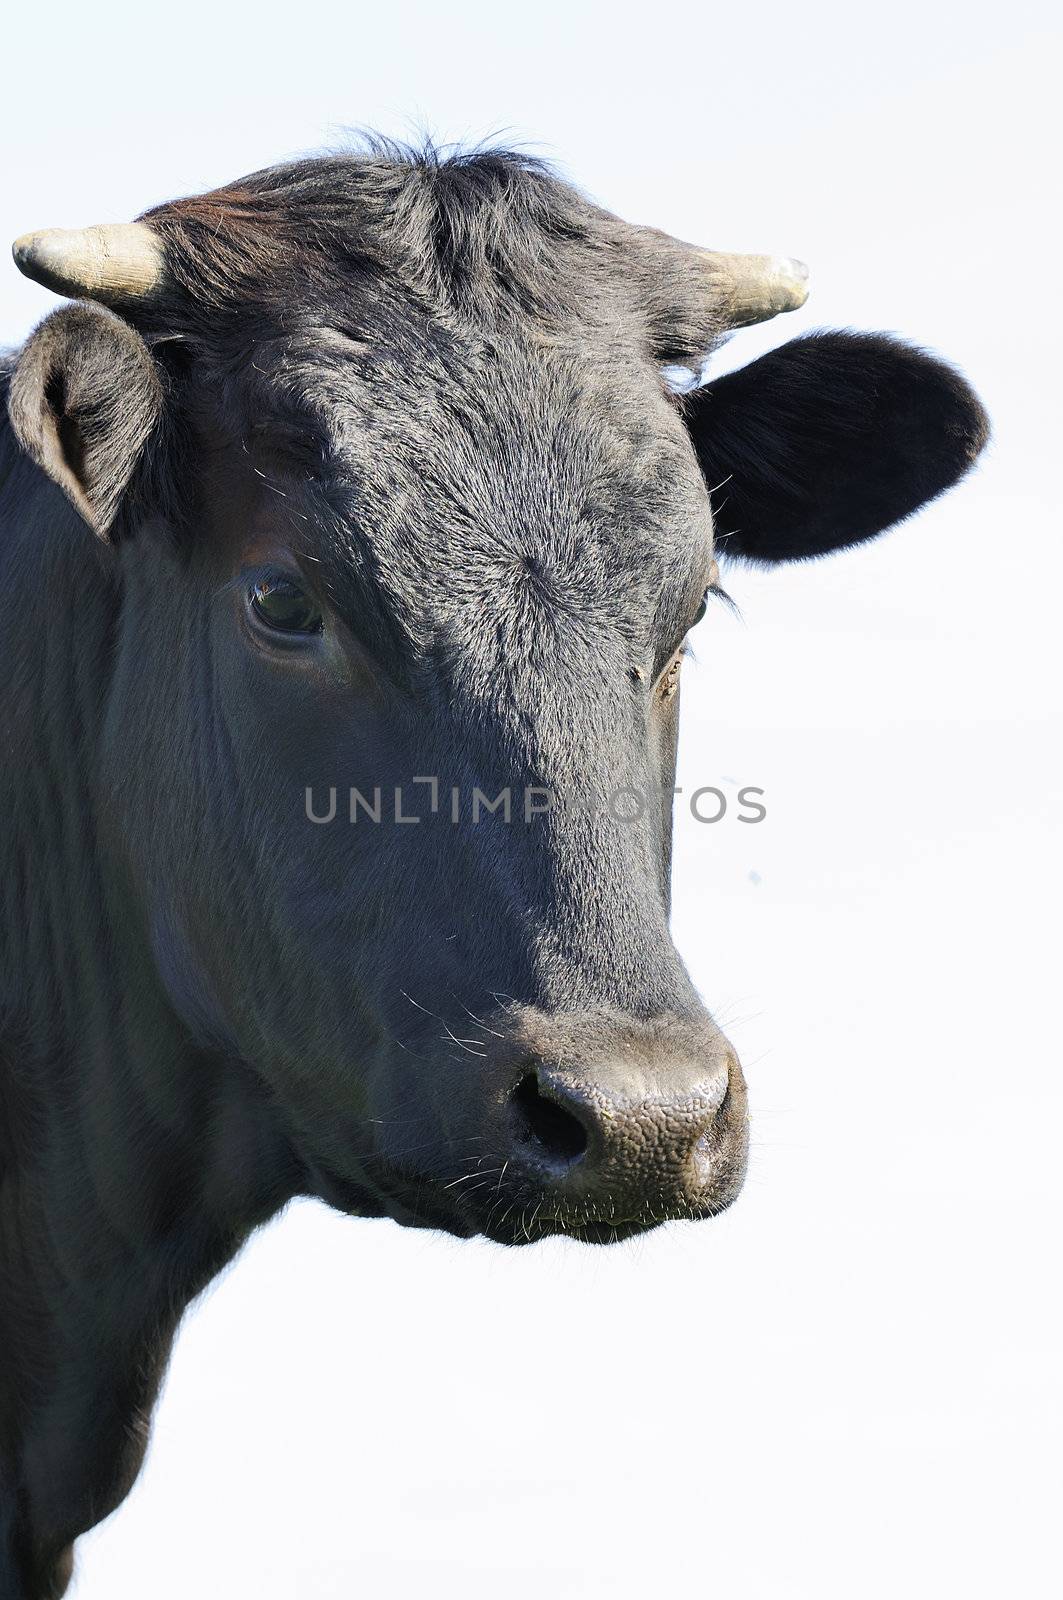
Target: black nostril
<point>545,1126</point>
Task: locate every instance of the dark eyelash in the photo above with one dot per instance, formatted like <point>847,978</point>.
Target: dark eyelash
<point>721,594</point>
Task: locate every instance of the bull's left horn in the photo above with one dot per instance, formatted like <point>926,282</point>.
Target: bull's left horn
<point>754,288</point>
<point>117,263</point>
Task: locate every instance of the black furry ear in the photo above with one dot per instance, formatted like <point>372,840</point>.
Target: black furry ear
<point>829,440</point>
<point>83,401</point>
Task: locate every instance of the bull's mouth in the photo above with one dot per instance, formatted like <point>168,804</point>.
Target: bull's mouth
<point>598,1226</point>
<point>523,1220</point>
<point>514,1220</point>
<point>589,1230</point>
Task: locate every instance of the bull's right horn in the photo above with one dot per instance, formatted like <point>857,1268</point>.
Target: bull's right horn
<point>120,264</point>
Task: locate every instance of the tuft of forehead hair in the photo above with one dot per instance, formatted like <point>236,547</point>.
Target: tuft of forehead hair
<point>487,238</point>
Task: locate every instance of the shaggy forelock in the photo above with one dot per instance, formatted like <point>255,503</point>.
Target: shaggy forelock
<point>483,238</point>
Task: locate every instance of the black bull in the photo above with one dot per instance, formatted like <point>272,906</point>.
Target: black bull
<point>361,471</point>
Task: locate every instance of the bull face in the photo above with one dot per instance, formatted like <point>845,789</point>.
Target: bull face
<point>405,552</point>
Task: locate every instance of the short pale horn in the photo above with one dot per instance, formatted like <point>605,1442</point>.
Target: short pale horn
<point>117,263</point>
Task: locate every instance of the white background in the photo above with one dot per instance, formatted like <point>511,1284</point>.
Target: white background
<point>848,1386</point>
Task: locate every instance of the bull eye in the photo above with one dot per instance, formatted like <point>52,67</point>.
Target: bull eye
<point>713,586</point>
<point>284,606</point>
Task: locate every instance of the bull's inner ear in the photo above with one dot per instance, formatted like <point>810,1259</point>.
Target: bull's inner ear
<point>829,440</point>
<point>84,398</point>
